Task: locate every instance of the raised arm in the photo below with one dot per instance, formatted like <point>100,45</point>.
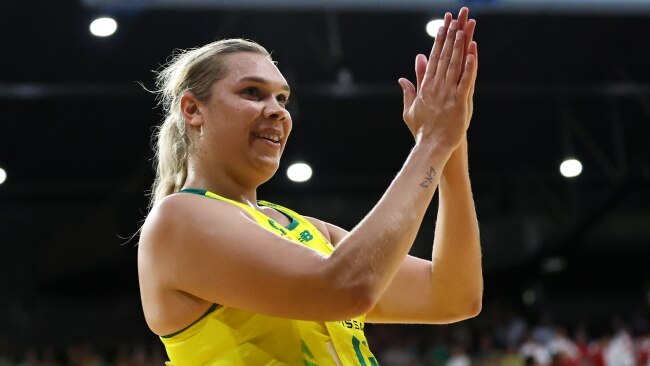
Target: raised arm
<point>450,287</point>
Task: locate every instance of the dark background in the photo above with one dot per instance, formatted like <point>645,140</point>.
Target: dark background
<point>76,126</point>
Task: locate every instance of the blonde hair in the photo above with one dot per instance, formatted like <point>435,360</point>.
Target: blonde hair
<point>194,71</point>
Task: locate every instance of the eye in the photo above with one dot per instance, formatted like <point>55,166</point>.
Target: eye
<point>283,99</point>
<point>252,92</point>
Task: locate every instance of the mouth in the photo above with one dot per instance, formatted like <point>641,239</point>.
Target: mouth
<point>274,138</point>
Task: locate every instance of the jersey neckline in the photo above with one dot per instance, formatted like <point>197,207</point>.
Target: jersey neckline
<point>293,222</point>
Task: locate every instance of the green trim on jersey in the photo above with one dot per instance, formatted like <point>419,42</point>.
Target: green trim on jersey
<point>212,308</point>
<point>293,223</point>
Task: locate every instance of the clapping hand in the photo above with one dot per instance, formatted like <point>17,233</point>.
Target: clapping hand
<point>440,107</point>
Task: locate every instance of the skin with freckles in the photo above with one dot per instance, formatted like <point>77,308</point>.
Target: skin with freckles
<point>190,248</point>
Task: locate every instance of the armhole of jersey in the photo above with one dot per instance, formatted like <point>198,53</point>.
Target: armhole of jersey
<point>293,222</point>
<point>212,308</point>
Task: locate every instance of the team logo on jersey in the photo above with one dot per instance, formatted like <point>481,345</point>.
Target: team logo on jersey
<point>305,236</point>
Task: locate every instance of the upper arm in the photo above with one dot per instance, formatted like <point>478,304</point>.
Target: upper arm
<point>216,252</point>
<point>409,298</point>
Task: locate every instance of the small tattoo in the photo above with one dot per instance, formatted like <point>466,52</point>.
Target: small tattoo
<point>428,179</point>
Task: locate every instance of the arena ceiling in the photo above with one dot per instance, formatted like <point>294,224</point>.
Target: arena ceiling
<point>76,126</point>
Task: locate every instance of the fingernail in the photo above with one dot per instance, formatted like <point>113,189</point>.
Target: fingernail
<point>459,35</point>
<point>454,24</point>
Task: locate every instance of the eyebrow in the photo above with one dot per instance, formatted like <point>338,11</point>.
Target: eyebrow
<point>260,80</point>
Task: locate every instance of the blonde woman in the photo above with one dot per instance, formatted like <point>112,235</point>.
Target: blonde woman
<point>226,279</point>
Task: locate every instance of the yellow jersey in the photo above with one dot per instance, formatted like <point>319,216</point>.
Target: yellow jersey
<point>228,336</point>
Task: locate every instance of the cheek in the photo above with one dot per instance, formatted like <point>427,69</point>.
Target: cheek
<point>288,125</point>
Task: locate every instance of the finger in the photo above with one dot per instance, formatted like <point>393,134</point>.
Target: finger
<point>409,93</point>
<point>473,47</point>
<point>469,35</point>
<point>447,50</point>
<point>469,32</point>
<point>437,47</point>
<point>455,65</point>
<point>468,79</point>
<point>463,15</point>
<point>420,69</point>
<point>470,97</point>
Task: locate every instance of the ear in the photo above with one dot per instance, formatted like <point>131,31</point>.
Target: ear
<point>190,109</point>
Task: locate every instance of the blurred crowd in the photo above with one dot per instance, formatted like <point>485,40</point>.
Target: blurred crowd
<point>515,342</point>
<point>87,355</point>
<point>485,341</point>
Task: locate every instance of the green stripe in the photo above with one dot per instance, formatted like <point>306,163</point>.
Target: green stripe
<point>305,349</point>
<point>200,192</point>
<point>212,308</point>
<point>203,192</point>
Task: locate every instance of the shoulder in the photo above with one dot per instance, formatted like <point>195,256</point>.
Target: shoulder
<point>167,216</point>
<point>178,217</point>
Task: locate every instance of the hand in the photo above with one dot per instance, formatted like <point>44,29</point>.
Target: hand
<point>441,106</point>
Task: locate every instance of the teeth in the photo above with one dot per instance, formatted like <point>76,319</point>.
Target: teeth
<point>272,137</point>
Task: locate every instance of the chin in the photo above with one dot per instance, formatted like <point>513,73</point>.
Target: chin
<point>268,167</point>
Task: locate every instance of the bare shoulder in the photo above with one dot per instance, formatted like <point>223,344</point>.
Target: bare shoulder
<point>180,214</point>
<point>167,232</point>
<point>182,225</point>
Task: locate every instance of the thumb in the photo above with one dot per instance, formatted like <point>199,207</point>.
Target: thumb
<point>409,93</point>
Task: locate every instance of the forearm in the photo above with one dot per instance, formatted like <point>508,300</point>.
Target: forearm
<point>370,255</point>
<point>456,256</point>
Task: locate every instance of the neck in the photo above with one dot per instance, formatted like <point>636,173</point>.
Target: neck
<point>221,182</point>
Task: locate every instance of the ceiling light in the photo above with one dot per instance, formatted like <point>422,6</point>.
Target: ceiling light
<point>433,26</point>
<point>299,172</point>
<point>3,176</point>
<point>103,27</point>
<point>571,168</point>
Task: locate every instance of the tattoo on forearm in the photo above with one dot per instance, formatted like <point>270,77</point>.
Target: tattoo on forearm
<point>428,178</point>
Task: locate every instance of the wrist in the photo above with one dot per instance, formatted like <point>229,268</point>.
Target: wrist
<point>437,152</point>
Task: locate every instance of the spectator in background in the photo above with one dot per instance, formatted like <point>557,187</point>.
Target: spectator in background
<point>563,349</point>
<point>532,348</point>
<point>620,350</point>
<point>516,330</point>
<point>458,356</point>
<point>544,331</point>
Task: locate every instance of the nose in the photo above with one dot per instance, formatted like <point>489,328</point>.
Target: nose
<point>274,110</point>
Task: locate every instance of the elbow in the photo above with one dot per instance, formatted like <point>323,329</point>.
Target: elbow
<point>365,298</point>
<point>352,296</point>
<point>352,292</point>
<point>460,309</point>
<point>472,307</point>
<point>473,302</point>
<point>355,299</point>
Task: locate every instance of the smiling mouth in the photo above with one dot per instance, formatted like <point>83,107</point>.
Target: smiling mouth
<point>269,136</point>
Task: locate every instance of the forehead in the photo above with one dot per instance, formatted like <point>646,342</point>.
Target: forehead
<point>246,65</point>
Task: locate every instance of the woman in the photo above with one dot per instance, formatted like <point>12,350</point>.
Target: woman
<point>229,280</point>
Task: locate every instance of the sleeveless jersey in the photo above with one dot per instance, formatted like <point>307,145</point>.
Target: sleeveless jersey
<point>228,336</point>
